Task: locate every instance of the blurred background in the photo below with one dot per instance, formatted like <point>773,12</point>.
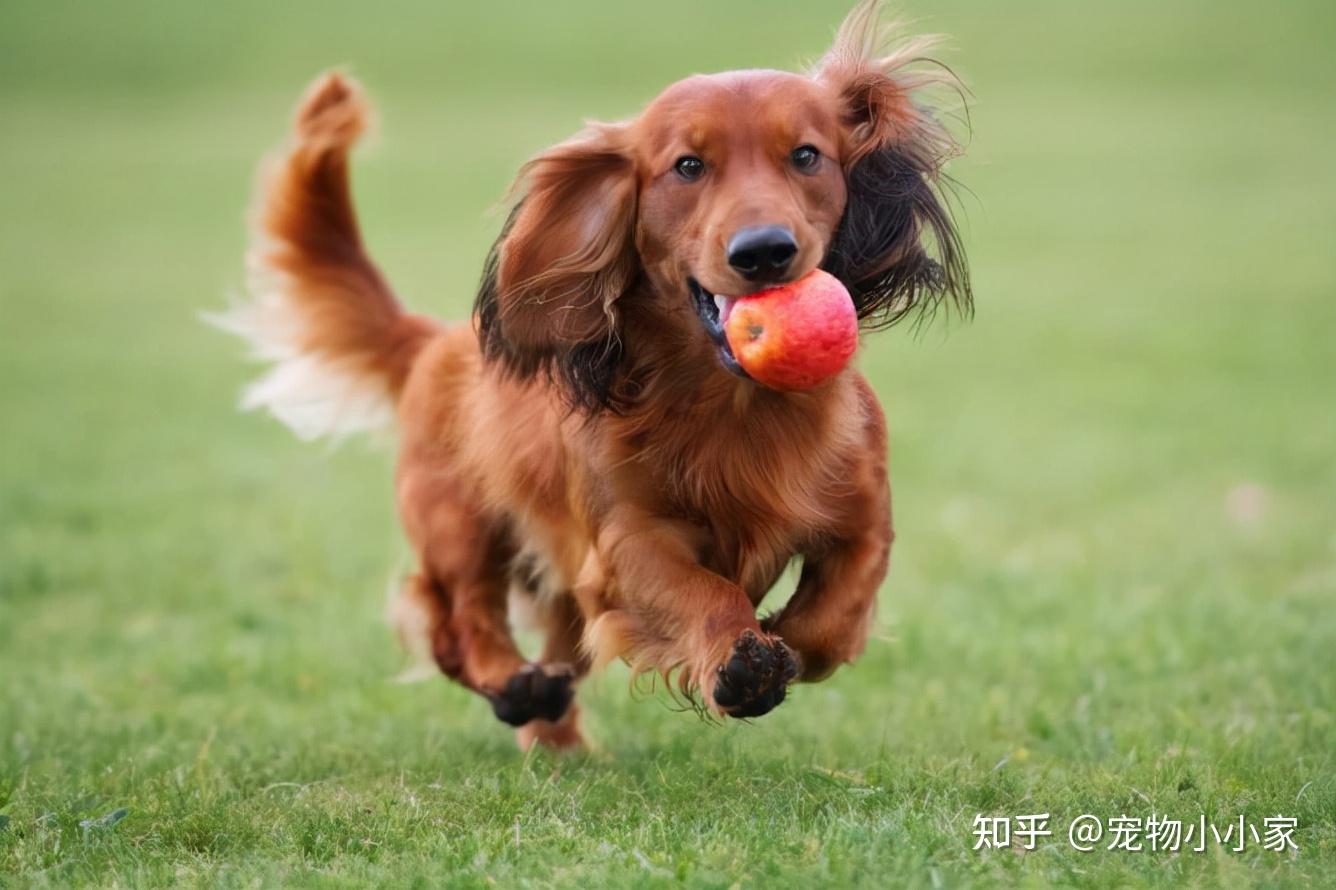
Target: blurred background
<point>1114,489</point>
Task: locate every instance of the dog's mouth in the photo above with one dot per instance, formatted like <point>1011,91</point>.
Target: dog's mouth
<point>713,310</point>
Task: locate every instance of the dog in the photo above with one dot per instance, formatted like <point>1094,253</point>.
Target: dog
<point>588,441</point>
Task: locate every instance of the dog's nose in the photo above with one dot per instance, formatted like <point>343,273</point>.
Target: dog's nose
<point>762,253</point>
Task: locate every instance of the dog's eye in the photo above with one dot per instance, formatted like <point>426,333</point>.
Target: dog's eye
<point>689,167</point>
<point>805,157</point>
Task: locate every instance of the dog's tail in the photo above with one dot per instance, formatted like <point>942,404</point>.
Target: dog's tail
<point>340,344</point>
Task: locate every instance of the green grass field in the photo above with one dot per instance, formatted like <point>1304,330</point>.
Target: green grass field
<point>1114,589</point>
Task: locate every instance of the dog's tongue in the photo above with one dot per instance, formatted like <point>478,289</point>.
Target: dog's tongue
<point>725,306</point>
<point>794,336</point>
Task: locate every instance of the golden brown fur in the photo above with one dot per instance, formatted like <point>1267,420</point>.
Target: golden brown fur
<point>583,440</point>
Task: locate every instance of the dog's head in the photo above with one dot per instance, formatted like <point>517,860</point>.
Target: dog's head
<point>724,184</point>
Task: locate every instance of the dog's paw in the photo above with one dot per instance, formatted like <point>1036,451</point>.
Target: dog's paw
<point>756,676</point>
<point>536,692</point>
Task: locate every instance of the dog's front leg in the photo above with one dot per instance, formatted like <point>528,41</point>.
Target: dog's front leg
<point>827,619</point>
<point>672,613</point>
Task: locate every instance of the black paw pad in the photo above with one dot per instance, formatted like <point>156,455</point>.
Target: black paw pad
<point>755,678</point>
<point>534,694</point>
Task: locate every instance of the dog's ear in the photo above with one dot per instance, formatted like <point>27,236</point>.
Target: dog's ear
<point>896,248</point>
<point>548,299</point>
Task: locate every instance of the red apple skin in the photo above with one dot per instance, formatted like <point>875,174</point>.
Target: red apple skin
<point>794,336</point>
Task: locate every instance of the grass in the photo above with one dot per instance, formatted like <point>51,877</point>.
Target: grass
<point>1113,587</point>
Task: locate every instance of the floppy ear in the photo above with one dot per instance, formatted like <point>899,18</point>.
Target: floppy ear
<point>548,299</point>
<point>894,152</point>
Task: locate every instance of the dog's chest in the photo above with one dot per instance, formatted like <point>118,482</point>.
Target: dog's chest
<point>763,497</point>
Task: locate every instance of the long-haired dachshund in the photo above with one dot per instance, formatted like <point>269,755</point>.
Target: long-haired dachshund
<point>588,441</point>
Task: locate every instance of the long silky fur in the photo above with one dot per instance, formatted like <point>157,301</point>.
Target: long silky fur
<point>891,86</point>
<point>892,203</point>
<point>586,373</point>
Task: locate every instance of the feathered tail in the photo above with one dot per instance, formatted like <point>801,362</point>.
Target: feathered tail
<point>339,342</point>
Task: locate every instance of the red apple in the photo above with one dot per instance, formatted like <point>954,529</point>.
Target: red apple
<point>796,335</point>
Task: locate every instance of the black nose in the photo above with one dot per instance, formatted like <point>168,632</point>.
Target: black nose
<point>762,253</point>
